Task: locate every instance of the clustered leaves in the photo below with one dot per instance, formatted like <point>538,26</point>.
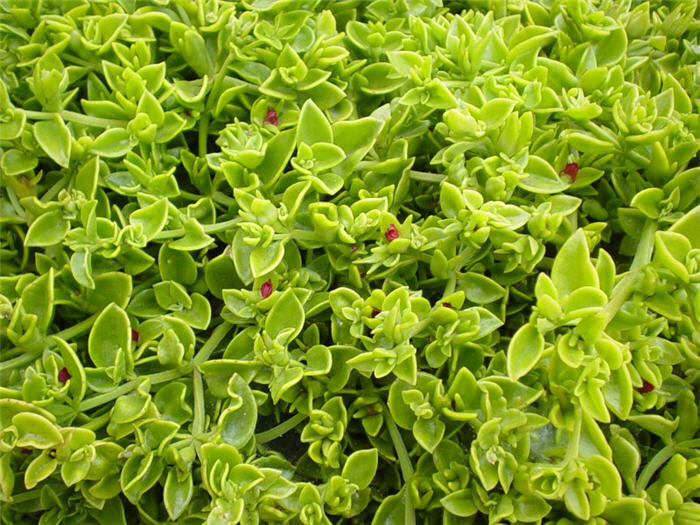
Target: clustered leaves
<point>388,261</point>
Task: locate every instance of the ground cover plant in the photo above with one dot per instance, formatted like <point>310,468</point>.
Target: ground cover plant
<point>388,261</point>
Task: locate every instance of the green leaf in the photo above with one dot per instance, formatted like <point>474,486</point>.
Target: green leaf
<point>35,431</point>
<point>264,259</point>
<point>151,218</point>
<point>361,467</point>
<point>177,493</point>
<point>38,299</point>
<point>15,162</point>
<point>572,268</point>
<point>524,351</point>
<point>86,178</point>
<point>451,199</point>
<point>48,229</point>
<point>496,111</point>
<point>689,226</point>
<point>112,143</point>
<point>313,126</point>
<point>110,287</point>
<point>479,289</point>
<point>109,336</point>
<point>178,266</point>
<point>237,423</point>
<point>541,177</point>
<point>39,469</point>
<point>589,144</point>
<point>285,317</point>
<point>391,511</point>
<point>55,139</point>
<point>460,503</point>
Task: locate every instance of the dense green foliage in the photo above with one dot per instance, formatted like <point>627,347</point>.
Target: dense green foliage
<point>314,261</point>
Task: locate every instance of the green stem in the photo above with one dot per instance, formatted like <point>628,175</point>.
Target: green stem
<point>78,118</point>
<point>98,422</point>
<point>101,399</point>
<point>451,284</point>
<point>217,335</point>
<point>279,430</point>
<point>78,329</point>
<point>208,228</point>
<point>404,464</point>
<point>18,361</point>
<point>14,352</point>
<point>160,377</point>
<point>198,387</point>
<point>601,133</point>
<point>650,468</point>
<point>203,131</point>
<point>426,177</point>
<point>26,496</point>
<point>628,283</point>
<point>645,247</point>
<point>573,448</point>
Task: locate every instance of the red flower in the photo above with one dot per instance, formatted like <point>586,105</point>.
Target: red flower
<point>271,117</point>
<point>375,312</point>
<point>134,335</point>
<point>63,375</point>
<point>571,169</point>
<point>447,305</point>
<point>391,233</point>
<point>266,289</point>
<point>645,388</point>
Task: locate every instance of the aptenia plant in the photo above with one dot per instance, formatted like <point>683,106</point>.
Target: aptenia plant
<point>382,261</point>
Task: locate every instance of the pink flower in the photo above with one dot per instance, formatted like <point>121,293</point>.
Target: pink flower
<point>271,117</point>
<point>391,233</point>
<point>266,289</point>
<point>63,375</point>
<point>571,169</point>
<point>645,388</point>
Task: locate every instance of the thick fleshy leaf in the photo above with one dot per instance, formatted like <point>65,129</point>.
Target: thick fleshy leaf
<point>55,139</point>
<point>285,317</point>
<point>572,266</point>
<point>524,351</point>
<point>109,336</point>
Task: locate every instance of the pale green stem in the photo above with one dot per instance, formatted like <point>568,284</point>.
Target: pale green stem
<point>160,377</point>
<point>426,177</point>
<point>18,361</point>
<point>208,228</point>
<point>212,343</point>
<point>78,329</point>
<point>98,422</point>
<point>78,118</point>
<point>573,448</point>
<point>627,284</point>
<point>404,464</point>
<point>279,430</point>
<point>198,387</point>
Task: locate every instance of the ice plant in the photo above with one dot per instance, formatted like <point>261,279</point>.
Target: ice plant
<point>459,332</point>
